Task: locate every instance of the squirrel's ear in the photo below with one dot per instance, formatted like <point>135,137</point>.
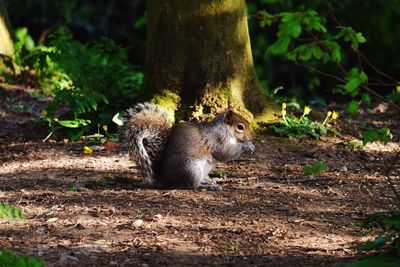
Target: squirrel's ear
<point>228,116</point>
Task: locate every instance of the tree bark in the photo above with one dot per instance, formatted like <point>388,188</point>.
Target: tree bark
<point>6,36</point>
<point>198,59</point>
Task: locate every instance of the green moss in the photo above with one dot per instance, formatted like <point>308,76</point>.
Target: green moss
<point>267,116</point>
<point>169,100</point>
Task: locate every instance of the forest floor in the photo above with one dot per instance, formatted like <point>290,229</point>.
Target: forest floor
<point>89,210</point>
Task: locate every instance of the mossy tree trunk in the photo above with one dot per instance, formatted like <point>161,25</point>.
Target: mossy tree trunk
<point>6,36</point>
<point>198,58</point>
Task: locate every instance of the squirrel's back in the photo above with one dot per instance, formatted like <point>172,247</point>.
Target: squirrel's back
<point>144,133</point>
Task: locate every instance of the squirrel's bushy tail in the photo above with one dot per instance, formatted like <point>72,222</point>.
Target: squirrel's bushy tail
<point>144,133</point>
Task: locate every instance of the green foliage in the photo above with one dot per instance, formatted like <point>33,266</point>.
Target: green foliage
<point>11,212</point>
<point>89,82</point>
<point>94,87</point>
<point>232,247</point>
<point>352,107</point>
<point>375,261</point>
<point>350,35</point>
<point>380,134</point>
<point>300,127</point>
<point>304,36</point>
<point>354,143</point>
<point>9,258</point>
<point>389,223</point>
<point>355,78</point>
<point>314,169</point>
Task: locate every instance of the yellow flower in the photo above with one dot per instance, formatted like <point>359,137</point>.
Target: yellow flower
<point>328,114</point>
<point>398,89</point>
<point>307,110</point>
<point>105,128</point>
<point>283,105</point>
<point>335,115</point>
<point>87,150</point>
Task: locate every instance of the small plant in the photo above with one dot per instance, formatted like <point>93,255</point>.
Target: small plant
<point>89,82</point>
<point>10,258</point>
<point>292,126</point>
<point>377,134</point>
<point>371,135</point>
<point>232,247</point>
<point>389,223</point>
<point>11,212</point>
<point>311,170</point>
<point>355,143</point>
<point>323,42</point>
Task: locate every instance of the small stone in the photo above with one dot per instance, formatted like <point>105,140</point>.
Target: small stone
<point>158,216</point>
<point>52,220</point>
<point>344,169</point>
<point>138,223</point>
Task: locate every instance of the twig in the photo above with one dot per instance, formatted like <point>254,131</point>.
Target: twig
<point>375,68</point>
<point>343,81</point>
<point>47,137</point>
<point>307,180</point>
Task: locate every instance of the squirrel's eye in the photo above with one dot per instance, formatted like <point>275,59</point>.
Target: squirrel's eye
<point>240,127</point>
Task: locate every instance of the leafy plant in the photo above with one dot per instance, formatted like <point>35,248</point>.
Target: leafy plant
<point>292,126</point>
<point>10,258</point>
<point>11,212</point>
<point>89,82</point>
<point>389,223</point>
<point>304,36</point>
<point>94,88</point>
<point>355,143</point>
<point>375,261</point>
<point>379,134</point>
<point>314,169</point>
<point>232,247</point>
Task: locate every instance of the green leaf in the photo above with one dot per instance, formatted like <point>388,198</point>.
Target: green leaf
<point>306,52</point>
<point>319,167</point>
<point>316,168</point>
<point>308,170</point>
<point>10,258</point>
<point>118,119</point>
<point>360,38</point>
<point>73,123</point>
<point>366,99</point>
<point>11,212</point>
<point>352,107</point>
<point>349,35</point>
<point>376,261</point>
<point>377,242</point>
<point>267,18</point>
<point>373,135</point>
<point>280,46</point>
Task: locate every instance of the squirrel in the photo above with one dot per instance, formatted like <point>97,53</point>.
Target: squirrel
<point>182,155</point>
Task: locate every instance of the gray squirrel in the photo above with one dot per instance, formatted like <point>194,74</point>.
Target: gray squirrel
<point>182,155</point>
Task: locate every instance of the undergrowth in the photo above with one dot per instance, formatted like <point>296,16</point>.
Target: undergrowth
<point>9,258</point>
<point>11,212</point>
<point>89,82</point>
<point>299,127</point>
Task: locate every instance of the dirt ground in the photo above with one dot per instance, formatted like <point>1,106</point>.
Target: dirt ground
<point>268,214</point>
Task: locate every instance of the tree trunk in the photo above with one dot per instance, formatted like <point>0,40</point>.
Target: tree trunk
<point>6,36</point>
<point>198,58</point>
